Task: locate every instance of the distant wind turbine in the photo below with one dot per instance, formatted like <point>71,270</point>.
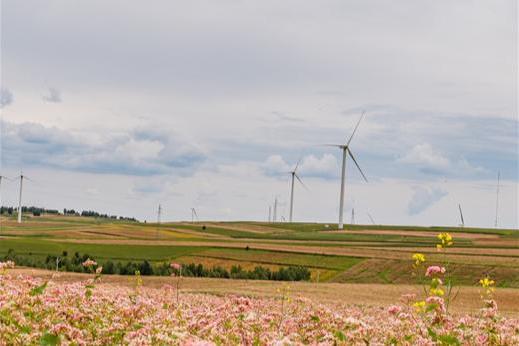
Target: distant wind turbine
<point>22,177</point>
<point>497,198</point>
<point>193,215</point>
<point>294,176</point>
<point>346,151</point>
<point>275,215</point>
<point>371,218</point>
<point>461,216</point>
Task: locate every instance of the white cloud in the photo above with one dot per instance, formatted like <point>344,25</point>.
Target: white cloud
<point>275,164</point>
<point>425,155</point>
<point>325,167</point>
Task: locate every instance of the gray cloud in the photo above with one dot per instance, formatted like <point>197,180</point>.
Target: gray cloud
<point>132,153</point>
<point>423,198</point>
<point>6,97</point>
<point>53,96</point>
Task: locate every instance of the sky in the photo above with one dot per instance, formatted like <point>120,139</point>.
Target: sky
<point>121,106</point>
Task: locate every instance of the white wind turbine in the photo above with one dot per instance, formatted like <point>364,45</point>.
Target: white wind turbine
<point>345,152</point>
<point>22,177</point>
<point>293,175</point>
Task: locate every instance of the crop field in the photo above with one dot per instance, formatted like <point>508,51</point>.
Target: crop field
<point>358,254</point>
<point>362,285</point>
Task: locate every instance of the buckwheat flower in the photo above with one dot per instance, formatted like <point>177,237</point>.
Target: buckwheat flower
<point>175,266</point>
<point>394,309</point>
<point>89,263</point>
<point>6,265</point>
<point>433,270</point>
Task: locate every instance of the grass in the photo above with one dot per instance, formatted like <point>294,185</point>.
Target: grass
<point>44,236</point>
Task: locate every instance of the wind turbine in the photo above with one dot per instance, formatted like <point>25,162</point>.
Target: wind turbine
<point>293,175</point>
<point>497,198</point>
<point>461,216</point>
<point>275,216</point>
<point>345,152</point>
<point>371,218</point>
<point>22,177</point>
<point>193,215</point>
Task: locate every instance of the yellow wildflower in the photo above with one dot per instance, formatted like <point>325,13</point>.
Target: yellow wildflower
<point>418,258</point>
<point>420,306</point>
<point>446,240</point>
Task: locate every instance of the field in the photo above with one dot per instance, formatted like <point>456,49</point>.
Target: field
<point>359,254</point>
<point>365,286</point>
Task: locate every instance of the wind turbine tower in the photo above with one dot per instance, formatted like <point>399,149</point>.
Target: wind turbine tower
<point>20,198</point>
<point>461,216</point>
<point>497,198</point>
<point>159,214</point>
<point>345,152</point>
<point>274,218</point>
<point>293,175</point>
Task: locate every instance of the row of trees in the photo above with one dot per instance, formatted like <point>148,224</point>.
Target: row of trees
<point>37,211</point>
<point>74,264</point>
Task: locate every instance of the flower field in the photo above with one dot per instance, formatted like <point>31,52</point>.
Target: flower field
<point>34,312</point>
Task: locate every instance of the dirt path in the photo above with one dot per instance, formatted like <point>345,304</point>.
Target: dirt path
<point>370,294</point>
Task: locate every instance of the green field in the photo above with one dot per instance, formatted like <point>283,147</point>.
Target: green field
<point>366,254</point>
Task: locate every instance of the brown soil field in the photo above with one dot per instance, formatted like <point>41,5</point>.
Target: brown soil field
<point>467,301</point>
<point>418,234</point>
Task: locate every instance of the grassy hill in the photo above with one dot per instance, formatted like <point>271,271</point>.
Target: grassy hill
<point>360,254</point>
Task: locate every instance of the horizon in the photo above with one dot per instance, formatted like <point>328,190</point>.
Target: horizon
<point>119,108</point>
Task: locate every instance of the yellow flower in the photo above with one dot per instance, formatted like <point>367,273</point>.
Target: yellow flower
<point>420,306</point>
<point>446,240</point>
<point>437,292</point>
<point>486,282</point>
<point>418,258</point>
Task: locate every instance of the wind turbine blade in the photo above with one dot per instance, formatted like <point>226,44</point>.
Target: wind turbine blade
<point>461,215</point>
<point>297,165</point>
<point>371,218</point>
<point>356,164</point>
<point>356,127</point>
<point>301,181</point>
<point>332,145</point>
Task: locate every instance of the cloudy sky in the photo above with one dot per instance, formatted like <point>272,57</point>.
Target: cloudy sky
<point>118,106</point>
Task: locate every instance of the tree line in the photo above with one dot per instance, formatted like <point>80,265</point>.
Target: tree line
<point>73,263</point>
<point>38,211</point>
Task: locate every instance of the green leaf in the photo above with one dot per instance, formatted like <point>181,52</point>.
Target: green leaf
<point>315,318</point>
<point>340,335</point>
<point>49,340</point>
<point>449,340</point>
<point>36,291</point>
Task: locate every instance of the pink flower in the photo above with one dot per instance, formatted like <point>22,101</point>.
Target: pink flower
<point>394,309</point>
<point>433,270</point>
<point>175,266</point>
<point>89,263</point>
<point>6,265</point>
